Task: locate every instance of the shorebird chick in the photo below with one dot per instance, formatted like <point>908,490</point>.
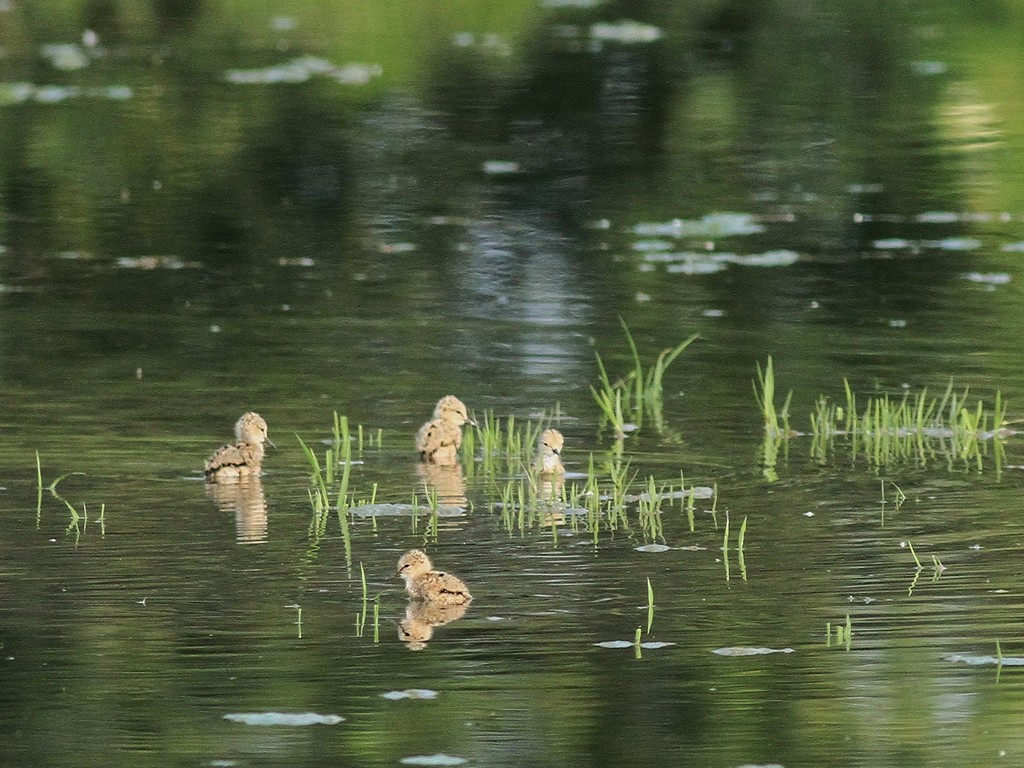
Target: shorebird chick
<point>549,453</point>
<point>439,439</point>
<point>422,582</point>
<point>244,457</point>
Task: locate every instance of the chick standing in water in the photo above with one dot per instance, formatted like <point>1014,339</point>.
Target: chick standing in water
<point>245,457</point>
<point>549,453</point>
<point>439,439</point>
<point>422,582</point>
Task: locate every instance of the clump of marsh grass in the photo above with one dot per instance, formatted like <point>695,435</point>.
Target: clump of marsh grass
<point>776,421</point>
<point>913,427</point>
<point>637,395</point>
<point>505,446</point>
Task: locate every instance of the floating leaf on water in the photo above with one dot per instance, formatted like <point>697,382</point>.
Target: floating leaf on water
<point>283,718</point>
<point>64,56</point>
<point>301,69</point>
<point>778,258</point>
<point>747,650</point>
<point>956,244</point>
<point>438,759</point>
<point>891,244</point>
<point>615,644</point>
<point>570,3</point>
<point>282,23</point>
<point>983,661</point>
<point>988,278</point>
<point>500,167</point>
<point>15,93</point>
<point>652,246</point>
<point>154,262</point>
<point>864,189</point>
<point>937,217</point>
<point>711,226</point>
<point>705,267</point>
<point>928,68</point>
<point>403,510</point>
<point>410,693</point>
<point>627,32</point>
<point>618,644</point>
<point>653,548</point>
<point>52,94</point>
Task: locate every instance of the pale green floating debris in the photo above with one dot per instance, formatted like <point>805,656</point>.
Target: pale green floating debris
<point>570,3</point>
<point>937,217</point>
<point>746,650</point>
<point>956,244</point>
<point>617,644</point>
<point>52,94</point>
<point>64,56</point>
<point>301,69</point>
<point>117,92</point>
<point>704,267</point>
<point>652,245</point>
<point>154,262</point>
<point>653,548</point>
<point>989,278</point>
<point>283,718</point>
<point>864,189</point>
<point>410,693</point>
<point>986,661</point>
<point>388,509</point>
<point>500,167</point>
<point>626,32</point>
<point>929,68</point>
<point>15,93</point>
<point>283,23</point>
<point>891,244</point>
<point>438,759</point>
<point>778,258</point>
<point>711,225</point>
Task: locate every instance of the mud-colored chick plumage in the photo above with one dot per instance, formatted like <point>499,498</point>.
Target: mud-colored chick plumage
<point>422,582</point>
<point>243,457</point>
<point>548,460</point>
<point>438,440</point>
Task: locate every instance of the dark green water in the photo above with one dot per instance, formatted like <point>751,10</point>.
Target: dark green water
<point>839,189</point>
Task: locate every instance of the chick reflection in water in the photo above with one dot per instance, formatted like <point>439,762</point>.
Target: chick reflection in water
<point>436,598</point>
<point>245,498</point>
<point>446,480</point>
<point>421,617</point>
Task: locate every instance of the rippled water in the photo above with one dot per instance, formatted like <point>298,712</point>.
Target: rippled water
<point>302,215</point>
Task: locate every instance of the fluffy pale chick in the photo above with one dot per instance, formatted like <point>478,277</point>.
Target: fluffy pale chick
<point>439,439</point>
<point>549,453</point>
<point>422,582</point>
<point>244,457</point>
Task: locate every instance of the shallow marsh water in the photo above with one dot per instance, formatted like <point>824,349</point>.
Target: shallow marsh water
<point>182,243</point>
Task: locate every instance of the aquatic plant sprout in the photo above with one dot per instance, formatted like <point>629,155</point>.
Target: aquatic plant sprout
<point>638,394</point>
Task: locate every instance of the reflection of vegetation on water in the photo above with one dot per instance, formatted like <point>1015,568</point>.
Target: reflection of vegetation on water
<point>912,428</point>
